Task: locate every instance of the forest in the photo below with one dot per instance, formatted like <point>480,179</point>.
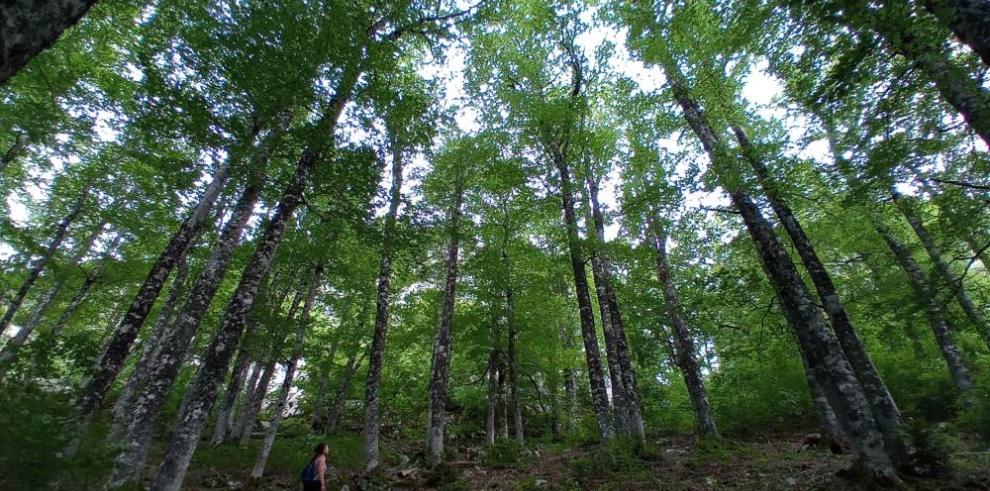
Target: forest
<point>495,244</point>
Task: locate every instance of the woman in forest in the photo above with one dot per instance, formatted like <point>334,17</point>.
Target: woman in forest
<point>314,475</point>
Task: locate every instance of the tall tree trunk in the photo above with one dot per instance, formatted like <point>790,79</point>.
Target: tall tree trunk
<point>620,406</point>
<point>952,81</point>
<point>319,421</point>
<point>239,376</point>
<point>635,417</point>
<point>253,406</point>
<point>115,353</point>
<point>245,395</point>
<point>503,402</point>
<point>942,269</point>
<point>885,411</point>
<point>968,19</point>
<point>510,308</point>
<point>816,340</point>
<point>440,371</point>
<point>164,366</point>
<point>203,389</point>
<point>491,405</point>
<point>290,371</point>
<point>350,369</point>
<point>30,27</point>
<point>373,383</point>
<point>599,395</point>
<point>39,264</point>
<point>570,380</point>
<point>91,278</point>
<point>686,353</point>
<point>150,345</point>
<point>937,318</point>
<point>9,350</point>
<point>832,432</point>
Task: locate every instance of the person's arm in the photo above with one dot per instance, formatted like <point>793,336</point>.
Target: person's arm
<point>321,469</point>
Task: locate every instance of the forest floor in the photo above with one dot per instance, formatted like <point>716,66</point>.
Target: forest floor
<point>775,461</point>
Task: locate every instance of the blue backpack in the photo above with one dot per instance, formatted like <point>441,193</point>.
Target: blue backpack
<point>309,473</point>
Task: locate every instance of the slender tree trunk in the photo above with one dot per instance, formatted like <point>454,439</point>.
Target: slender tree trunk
<point>319,405</point>
<point>634,414</point>
<point>353,362</point>
<point>937,318</point>
<point>164,366</point>
<point>215,364</point>
<point>968,19</point>
<point>253,406</point>
<point>570,381</point>
<point>510,307</point>
<point>115,353</point>
<point>686,353</point>
<point>237,412</point>
<point>440,371</point>
<point>952,81</point>
<point>503,403</point>
<point>39,264</point>
<point>290,372</point>
<point>492,399</point>
<point>942,269</point>
<point>225,415</point>
<point>885,411</point>
<point>816,340</point>
<point>599,395</point>
<point>30,27</point>
<point>373,382</point>
<point>83,292</point>
<point>10,350</point>
<point>925,297</point>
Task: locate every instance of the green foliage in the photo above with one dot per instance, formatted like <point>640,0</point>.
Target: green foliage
<point>504,454</point>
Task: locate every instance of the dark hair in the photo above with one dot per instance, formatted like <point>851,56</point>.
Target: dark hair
<point>321,449</point>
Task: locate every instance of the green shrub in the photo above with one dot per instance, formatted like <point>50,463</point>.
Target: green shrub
<point>504,454</point>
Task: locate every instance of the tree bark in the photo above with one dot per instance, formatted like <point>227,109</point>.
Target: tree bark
<point>816,340</point>
<point>634,414</point>
<point>150,345</point>
<point>885,411</point>
<point>164,366</point>
<point>686,353</point>
<point>491,405</point>
<point>620,406</point>
<point>39,264</point>
<point>30,27</point>
<point>203,389</point>
<point>832,432</point>
<point>942,269</point>
<point>373,382</point>
<point>440,371</point>
<point>290,371</point>
<point>968,19</point>
<point>599,395</point>
<point>115,353</point>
